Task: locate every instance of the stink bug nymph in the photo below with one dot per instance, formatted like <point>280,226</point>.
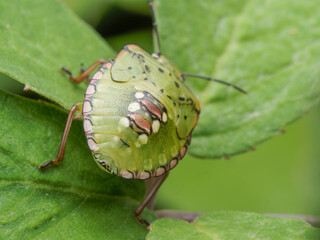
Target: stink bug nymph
<point>135,103</point>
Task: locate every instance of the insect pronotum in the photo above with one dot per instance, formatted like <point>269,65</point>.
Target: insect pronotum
<point>138,115</point>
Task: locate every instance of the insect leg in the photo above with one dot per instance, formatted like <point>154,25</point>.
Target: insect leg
<point>82,70</point>
<point>156,39</point>
<point>213,79</point>
<point>153,186</point>
<point>73,110</point>
<point>86,72</point>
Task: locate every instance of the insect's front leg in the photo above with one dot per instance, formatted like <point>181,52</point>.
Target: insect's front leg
<point>77,107</point>
<point>86,72</point>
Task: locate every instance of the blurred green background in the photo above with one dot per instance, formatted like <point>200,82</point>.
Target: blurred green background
<point>281,176</point>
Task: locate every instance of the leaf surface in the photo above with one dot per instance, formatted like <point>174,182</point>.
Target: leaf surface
<point>233,225</point>
<point>269,48</point>
<point>38,37</point>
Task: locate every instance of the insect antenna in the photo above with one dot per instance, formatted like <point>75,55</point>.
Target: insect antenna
<point>156,40</point>
<point>215,80</point>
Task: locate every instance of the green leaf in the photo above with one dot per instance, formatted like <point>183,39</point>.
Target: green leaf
<point>233,225</point>
<point>268,47</point>
<point>73,200</point>
<point>140,38</point>
<point>38,37</point>
<point>93,11</point>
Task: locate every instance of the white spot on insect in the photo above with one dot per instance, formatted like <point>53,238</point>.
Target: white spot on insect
<point>162,159</point>
<point>91,89</point>
<point>164,117</point>
<point>134,107</point>
<point>139,95</point>
<point>137,144</point>
<point>124,122</point>
<point>87,125</point>
<point>155,55</point>
<point>126,174</point>
<point>92,145</point>
<point>143,138</point>
<point>87,107</point>
<point>155,126</point>
<point>173,151</point>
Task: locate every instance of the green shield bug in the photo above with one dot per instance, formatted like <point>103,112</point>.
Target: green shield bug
<point>138,116</point>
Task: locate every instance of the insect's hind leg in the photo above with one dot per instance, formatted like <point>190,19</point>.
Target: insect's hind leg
<point>153,186</point>
<point>86,72</point>
<point>77,107</point>
<point>156,39</point>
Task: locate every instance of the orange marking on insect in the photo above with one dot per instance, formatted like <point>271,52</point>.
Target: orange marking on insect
<point>160,171</point>
<point>197,105</point>
<point>183,152</point>
<point>144,175</point>
<point>195,121</point>
<point>173,163</point>
<point>140,122</point>
<point>188,140</point>
<point>151,107</point>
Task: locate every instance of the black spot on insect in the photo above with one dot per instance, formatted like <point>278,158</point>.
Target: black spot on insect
<point>161,90</point>
<point>181,98</point>
<point>124,142</point>
<point>174,104</point>
<point>133,76</point>
<point>189,100</point>
<point>145,78</point>
<point>170,74</point>
<point>154,84</point>
<point>126,48</point>
<point>160,70</point>
<point>185,117</point>
<point>147,68</point>
<point>129,68</point>
<point>143,72</point>
<point>178,115</point>
<point>103,164</point>
<point>169,97</point>
<point>177,85</point>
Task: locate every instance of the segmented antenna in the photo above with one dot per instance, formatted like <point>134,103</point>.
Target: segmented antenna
<point>215,80</point>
